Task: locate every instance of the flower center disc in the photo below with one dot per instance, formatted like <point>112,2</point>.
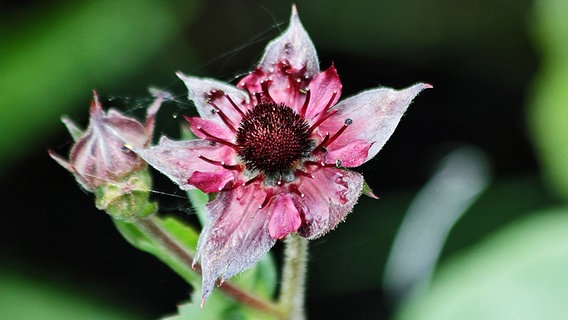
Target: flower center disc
<point>271,137</point>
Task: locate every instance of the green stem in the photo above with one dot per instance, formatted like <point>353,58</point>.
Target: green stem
<point>153,230</point>
<point>294,277</point>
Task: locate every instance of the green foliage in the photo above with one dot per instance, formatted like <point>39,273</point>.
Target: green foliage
<point>218,306</point>
<point>198,199</point>
<point>260,280</point>
<point>24,297</point>
<point>178,231</point>
<point>520,273</point>
<point>548,111</point>
<point>58,58</point>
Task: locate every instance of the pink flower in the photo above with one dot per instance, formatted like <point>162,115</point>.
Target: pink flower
<point>102,162</point>
<point>100,154</point>
<point>276,149</point>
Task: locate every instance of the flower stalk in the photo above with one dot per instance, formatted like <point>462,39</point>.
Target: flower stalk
<point>292,290</point>
<point>152,229</point>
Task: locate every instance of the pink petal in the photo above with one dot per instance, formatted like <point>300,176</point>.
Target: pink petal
<point>99,155</point>
<point>328,198</point>
<point>160,96</point>
<point>74,130</point>
<point>208,92</point>
<point>374,114</point>
<point>62,162</point>
<point>286,86</point>
<point>129,130</point>
<point>211,127</point>
<point>97,160</point>
<point>294,48</point>
<point>289,63</point>
<point>209,181</point>
<point>179,160</point>
<point>352,155</point>
<point>285,217</point>
<point>235,236</point>
<point>325,90</point>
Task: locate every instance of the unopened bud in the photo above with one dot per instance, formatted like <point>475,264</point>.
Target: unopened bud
<point>102,160</point>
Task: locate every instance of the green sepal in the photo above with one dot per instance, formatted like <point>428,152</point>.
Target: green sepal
<point>128,199</point>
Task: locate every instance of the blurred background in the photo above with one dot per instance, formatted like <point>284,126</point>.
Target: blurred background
<point>472,218</point>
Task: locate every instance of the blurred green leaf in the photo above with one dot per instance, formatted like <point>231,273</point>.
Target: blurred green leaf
<point>25,297</point>
<point>519,273</point>
<point>354,254</point>
<point>260,280</point>
<point>180,232</point>
<point>548,110</point>
<point>198,201</point>
<point>58,57</point>
<point>218,307</point>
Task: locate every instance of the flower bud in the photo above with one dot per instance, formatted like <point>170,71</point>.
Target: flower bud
<point>102,162</point>
<point>127,199</point>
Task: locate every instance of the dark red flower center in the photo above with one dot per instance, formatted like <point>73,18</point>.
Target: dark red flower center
<point>272,137</point>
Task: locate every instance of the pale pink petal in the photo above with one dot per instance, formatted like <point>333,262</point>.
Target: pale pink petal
<point>97,159</point>
<point>100,156</point>
<point>289,62</point>
<point>325,90</point>
<point>129,130</point>
<point>199,125</point>
<point>374,115</point>
<point>62,162</point>
<point>294,48</point>
<point>179,160</point>
<point>235,235</point>
<point>74,130</point>
<point>160,96</point>
<point>101,153</point>
<point>208,93</point>
<point>285,217</point>
<point>328,198</point>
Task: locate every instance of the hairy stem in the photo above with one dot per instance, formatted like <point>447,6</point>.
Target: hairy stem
<point>152,229</point>
<point>294,277</point>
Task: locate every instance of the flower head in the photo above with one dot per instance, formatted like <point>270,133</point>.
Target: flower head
<point>276,149</point>
<point>102,162</point>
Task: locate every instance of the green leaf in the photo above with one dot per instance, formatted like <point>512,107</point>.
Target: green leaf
<point>198,201</point>
<point>519,273</point>
<point>182,234</point>
<point>218,306</point>
<point>49,61</point>
<point>548,107</point>
<point>26,296</point>
<point>260,280</point>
